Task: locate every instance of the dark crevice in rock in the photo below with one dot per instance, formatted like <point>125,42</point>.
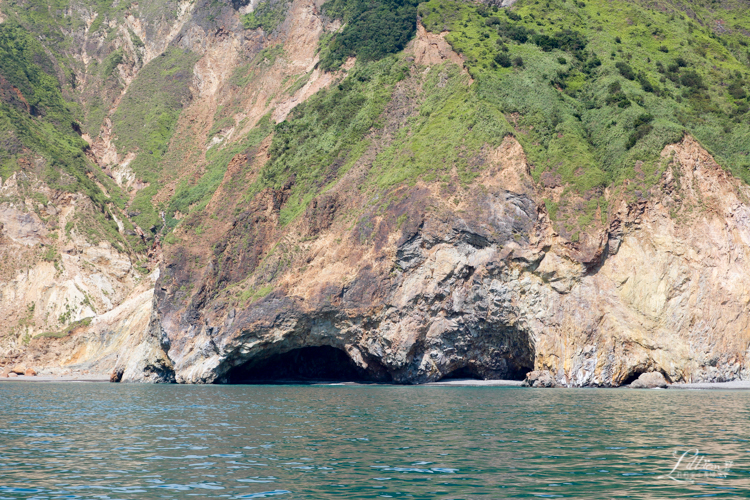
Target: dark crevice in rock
<point>512,369</point>
<point>518,372</point>
<point>306,364</point>
<point>464,372</point>
<point>594,267</point>
<point>633,376</point>
<point>409,254</point>
<point>475,240</point>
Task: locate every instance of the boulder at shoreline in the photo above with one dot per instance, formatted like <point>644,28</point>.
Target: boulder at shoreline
<point>650,380</point>
<point>539,378</point>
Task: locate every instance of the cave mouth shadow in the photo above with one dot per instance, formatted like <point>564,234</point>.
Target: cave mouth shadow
<point>305,365</point>
<point>518,372</point>
<point>464,373</point>
<point>637,372</point>
<point>513,372</point>
<point>632,377</point>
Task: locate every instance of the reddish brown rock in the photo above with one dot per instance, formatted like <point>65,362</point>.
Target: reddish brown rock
<point>19,369</point>
<point>413,283</point>
<point>30,372</point>
<point>116,375</point>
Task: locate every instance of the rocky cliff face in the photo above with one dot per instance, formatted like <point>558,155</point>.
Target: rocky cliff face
<point>231,265</point>
<point>668,293</point>
<point>76,296</point>
<point>73,302</point>
<point>485,287</point>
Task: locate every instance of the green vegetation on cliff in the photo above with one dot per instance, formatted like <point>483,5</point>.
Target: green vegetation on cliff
<point>194,196</point>
<point>322,138</point>
<point>452,128</point>
<point>145,121</point>
<point>593,91</point>
<point>267,15</point>
<point>40,128</point>
<point>372,29</point>
<point>599,88</point>
<point>35,118</point>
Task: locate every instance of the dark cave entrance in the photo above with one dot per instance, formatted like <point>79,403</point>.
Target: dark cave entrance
<point>518,372</point>
<point>637,372</point>
<point>513,372</point>
<point>463,373</point>
<point>632,377</point>
<point>306,364</point>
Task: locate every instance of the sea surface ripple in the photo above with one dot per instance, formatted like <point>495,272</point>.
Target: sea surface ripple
<point>106,441</point>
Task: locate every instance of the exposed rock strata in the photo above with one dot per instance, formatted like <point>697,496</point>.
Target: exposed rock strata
<point>70,304</point>
<point>488,288</point>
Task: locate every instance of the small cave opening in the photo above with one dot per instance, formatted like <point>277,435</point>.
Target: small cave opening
<point>632,376</point>
<point>463,373</point>
<point>518,372</point>
<point>306,364</point>
<point>512,371</point>
<point>637,372</point>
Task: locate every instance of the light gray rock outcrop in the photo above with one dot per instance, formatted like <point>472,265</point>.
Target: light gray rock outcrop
<point>650,380</point>
<point>541,378</point>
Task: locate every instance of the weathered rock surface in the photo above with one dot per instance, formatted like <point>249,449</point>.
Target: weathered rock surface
<point>67,303</point>
<point>489,289</point>
<point>116,375</point>
<point>541,378</point>
<point>650,380</point>
<point>70,304</point>
<point>19,369</point>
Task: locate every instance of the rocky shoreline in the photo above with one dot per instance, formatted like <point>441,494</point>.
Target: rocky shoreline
<point>58,378</point>
<point>22,373</point>
<point>103,378</point>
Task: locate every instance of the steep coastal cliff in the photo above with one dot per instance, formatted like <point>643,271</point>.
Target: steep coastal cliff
<point>264,190</point>
<point>661,288</point>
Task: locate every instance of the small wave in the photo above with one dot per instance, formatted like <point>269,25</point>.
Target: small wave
<point>10,489</point>
<point>265,494</point>
<point>431,470</point>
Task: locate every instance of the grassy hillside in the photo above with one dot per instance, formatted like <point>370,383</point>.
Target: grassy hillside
<point>145,121</point>
<point>41,123</point>
<point>596,89</point>
<point>592,90</point>
<point>34,116</point>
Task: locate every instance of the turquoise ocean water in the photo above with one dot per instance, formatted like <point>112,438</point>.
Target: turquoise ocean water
<point>106,441</point>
